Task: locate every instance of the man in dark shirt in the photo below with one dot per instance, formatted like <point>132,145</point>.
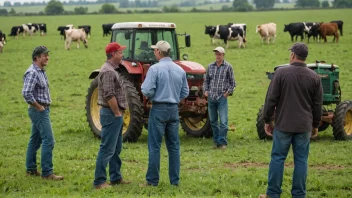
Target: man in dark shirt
<point>36,93</point>
<point>111,97</point>
<point>295,95</point>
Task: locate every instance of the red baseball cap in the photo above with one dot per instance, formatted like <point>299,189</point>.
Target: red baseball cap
<point>112,47</point>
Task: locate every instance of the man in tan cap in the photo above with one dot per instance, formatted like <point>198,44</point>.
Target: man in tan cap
<point>295,95</point>
<point>164,85</point>
<point>218,85</point>
<point>111,98</point>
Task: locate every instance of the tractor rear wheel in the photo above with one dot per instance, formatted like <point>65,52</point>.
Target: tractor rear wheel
<point>132,117</point>
<point>260,125</point>
<point>342,121</point>
<point>197,126</point>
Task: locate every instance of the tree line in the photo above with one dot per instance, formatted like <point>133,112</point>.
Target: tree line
<point>55,7</point>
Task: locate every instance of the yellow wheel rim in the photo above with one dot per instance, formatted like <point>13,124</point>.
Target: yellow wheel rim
<point>95,109</point>
<point>195,123</point>
<point>348,122</point>
<point>126,120</point>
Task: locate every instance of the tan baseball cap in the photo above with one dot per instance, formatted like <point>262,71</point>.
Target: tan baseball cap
<point>163,46</point>
<point>219,49</point>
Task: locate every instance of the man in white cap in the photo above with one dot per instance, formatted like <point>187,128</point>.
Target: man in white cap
<point>164,85</point>
<point>218,85</point>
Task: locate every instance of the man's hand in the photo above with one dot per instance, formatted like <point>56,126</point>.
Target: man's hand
<point>269,129</point>
<point>41,108</point>
<point>314,133</point>
<point>118,114</point>
<point>226,94</point>
<point>206,94</point>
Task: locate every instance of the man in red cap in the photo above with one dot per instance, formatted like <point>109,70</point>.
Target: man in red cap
<point>111,98</point>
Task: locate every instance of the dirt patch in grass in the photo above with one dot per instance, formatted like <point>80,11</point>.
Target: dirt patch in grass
<point>287,165</point>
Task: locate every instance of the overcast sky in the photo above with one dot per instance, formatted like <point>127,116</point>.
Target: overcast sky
<point>12,1</point>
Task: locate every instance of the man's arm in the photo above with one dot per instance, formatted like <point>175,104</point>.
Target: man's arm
<point>185,89</point>
<point>109,91</point>
<point>232,82</point>
<point>272,97</point>
<point>30,80</point>
<point>149,85</point>
<point>317,104</point>
<point>206,82</point>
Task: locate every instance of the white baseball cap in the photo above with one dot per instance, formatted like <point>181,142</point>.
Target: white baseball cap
<point>163,46</point>
<point>219,49</point>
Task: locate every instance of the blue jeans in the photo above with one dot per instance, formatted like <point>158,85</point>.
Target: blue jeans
<point>281,145</point>
<point>163,120</point>
<point>41,133</point>
<point>216,109</point>
<point>110,147</point>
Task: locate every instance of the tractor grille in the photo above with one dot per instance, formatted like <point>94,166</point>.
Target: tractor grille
<point>326,85</point>
<point>195,76</point>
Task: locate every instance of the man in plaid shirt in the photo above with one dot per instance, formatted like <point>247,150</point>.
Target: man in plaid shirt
<point>111,97</point>
<point>218,85</point>
<point>36,93</point>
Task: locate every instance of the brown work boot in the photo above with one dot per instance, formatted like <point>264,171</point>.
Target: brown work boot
<point>146,184</point>
<point>53,177</point>
<point>222,147</point>
<point>121,181</point>
<point>33,173</point>
<point>102,186</point>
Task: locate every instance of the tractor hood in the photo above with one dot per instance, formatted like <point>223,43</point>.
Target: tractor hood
<point>191,67</point>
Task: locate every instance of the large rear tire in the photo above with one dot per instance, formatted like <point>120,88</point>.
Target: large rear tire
<point>132,118</point>
<point>342,121</point>
<point>260,125</point>
<point>197,126</point>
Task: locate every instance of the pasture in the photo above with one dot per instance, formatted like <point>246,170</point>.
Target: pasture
<point>239,171</point>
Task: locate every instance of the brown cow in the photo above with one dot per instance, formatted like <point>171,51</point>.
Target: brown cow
<point>329,29</point>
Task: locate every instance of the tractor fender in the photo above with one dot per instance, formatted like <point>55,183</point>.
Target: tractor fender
<point>131,67</point>
<point>191,67</point>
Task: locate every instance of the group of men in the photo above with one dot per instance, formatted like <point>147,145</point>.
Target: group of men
<point>165,85</point>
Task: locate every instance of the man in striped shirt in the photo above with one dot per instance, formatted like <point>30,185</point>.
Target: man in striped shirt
<point>36,93</point>
<point>218,85</point>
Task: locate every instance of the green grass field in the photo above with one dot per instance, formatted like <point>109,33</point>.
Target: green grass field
<point>239,171</point>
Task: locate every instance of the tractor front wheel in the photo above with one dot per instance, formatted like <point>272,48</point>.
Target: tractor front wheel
<point>260,125</point>
<point>342,121</point>
<point>198,126</point>
<point>132,117</point>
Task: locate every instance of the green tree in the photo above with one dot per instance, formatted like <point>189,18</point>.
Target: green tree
<point>12,11</point>
<point>81,10</point>
<point>124,4</point>
<point>107,8</point>
<point>54,8</point>
<point>3,12</point>
<point>342,3</point>
<point>7,4</point>
<point>241,5</point>
<point>307,4</point>
<point>264,4</point>
<point>325,4</point>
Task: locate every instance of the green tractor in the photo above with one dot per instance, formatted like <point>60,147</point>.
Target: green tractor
<point>340,119</point>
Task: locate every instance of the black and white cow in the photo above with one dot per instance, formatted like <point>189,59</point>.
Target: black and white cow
<point>41,28</point>
<point>63,28</point>
<point>86,28</point>
<point>226,33</point>
<point>310,31</point>
<point>107,28</point>
<point>242,26</point>
<point>2,37</point>
<point>295,29</point>
<point>16,30</point>
<point>339,25</point>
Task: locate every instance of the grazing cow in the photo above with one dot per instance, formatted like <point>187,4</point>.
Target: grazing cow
<point>267,31</point>
<point>63,28</point>
<point>242,26</point>
<point>329,29</point>
<point>311,29</point>
<point>339,25</point>
<point>15,31</point>
<point>210,30</point>
<point>295,29</point>
<point>227,33</point>
<point>41,28</point>
<point>75,35</point>
<point>107,28</point>
<point>86,28</point>
<point>2,38</point>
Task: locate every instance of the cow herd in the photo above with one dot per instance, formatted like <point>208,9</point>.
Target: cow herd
<point>267,32</point>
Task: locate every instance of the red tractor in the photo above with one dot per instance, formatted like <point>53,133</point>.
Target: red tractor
<point>138,57</point>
